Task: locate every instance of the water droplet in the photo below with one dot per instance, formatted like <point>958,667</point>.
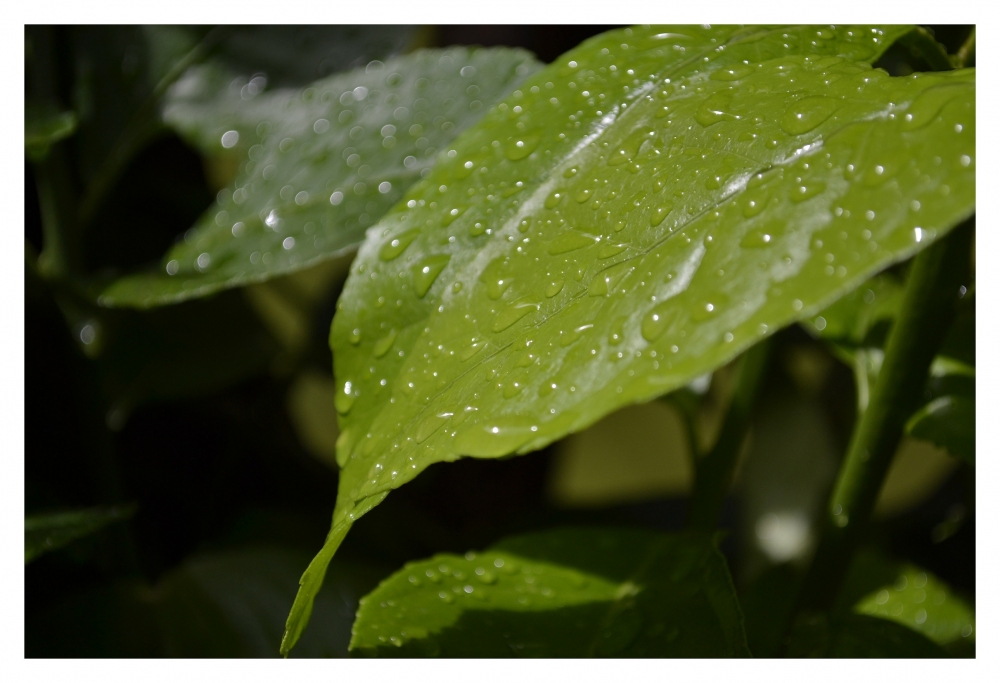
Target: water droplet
<point>574,335</point>
<point>732,73</point>
<point>707,309</point>
<point>519,148</point>
<point>571,240</point>
<point>657,320</point>
<point>485,576</point>
<point>354,336</point>
<point>500,436</point>
<point>660,213</point>
<point>610,250</point>
<point>715,109</point>
<point>807,190</point>
<point>426,271</point>
<point>928,104</point>
<point>450,216</point>
<point>429,425</point>
<point>512,314</point>
<point>398,244</point>
<point>344,399</point>
<point>554,288</point>
<point>806,114</point>
<point>383,345</point>
<point>552,201</point>
<point>617,334</point>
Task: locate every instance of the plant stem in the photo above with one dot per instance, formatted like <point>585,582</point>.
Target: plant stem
<point>714,471</point>
<point>927,310</point>
<point>967,53</point>
<point>923,45</point>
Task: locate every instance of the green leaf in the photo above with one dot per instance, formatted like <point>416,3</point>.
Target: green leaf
<point>43,127</point>
<point>879,586</point>
<point>606,235</point>
<point>328,161</point>
<point>948,422</point>
<point>46,532</point>
<point>561,593</point>
<point>920,601</point>
<point>859,636</point>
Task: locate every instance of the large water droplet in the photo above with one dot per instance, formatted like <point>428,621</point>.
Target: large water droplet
<point>512,314</point>
<point>805,114</point>
<point>657,320</point>
<point>344,399</point>
<point>732,73</point>
<point>715,109</point>
<point>520,147</point>
<point>571,240</point>
<point>398,244</point>
<point>425,272</point>
<point>383,345</point>
<point>660,212</point>
<point>498,437</point>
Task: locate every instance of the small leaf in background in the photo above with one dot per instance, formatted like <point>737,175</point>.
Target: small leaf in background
<point>922,602</point>
<point>948,422</point>
<point>43,127</point>
<point>560,593</point>
<point>637,453</point>
<point>47,532</point>
<point>310,406</point>
<point>917,471</point>
<point>537,280</point>
<point>326,163</point>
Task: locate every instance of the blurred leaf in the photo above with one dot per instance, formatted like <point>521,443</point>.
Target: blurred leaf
<point>47,532</point>
<point>329,161</point>
<point>178,352</point>
<point>116,71</point>
<point>635,453</point>
<point>859,636</point>
<point>918,470</point>
<point>296,55</point>
<point>561,239</point>
<point>922,602</point>
<point>310,405</point>
<point>948,422</point>
<point>43,127</point>
<point>233,604</point>
<point>561,593</point>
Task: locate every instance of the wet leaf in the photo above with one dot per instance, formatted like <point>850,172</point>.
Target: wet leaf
<point>633,216</point>
<point>920,601</point>
<point>43,533</point>
<point>561,593</point>
<point>326,163</point>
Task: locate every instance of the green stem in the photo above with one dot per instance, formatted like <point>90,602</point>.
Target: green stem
<point>923,45</point>
<point>57,200</point>
<point>927,309</point>
<point>714,471</point>
<point>967,53</point>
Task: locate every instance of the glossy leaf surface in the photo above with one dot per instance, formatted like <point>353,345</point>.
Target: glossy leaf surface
<point>43,533</point>
<point>948,422</point>
<point>326,163</point>
<point>629,219</point>
<point>560,593</point>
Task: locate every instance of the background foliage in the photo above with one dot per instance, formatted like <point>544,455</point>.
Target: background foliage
<point>191,475</point>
